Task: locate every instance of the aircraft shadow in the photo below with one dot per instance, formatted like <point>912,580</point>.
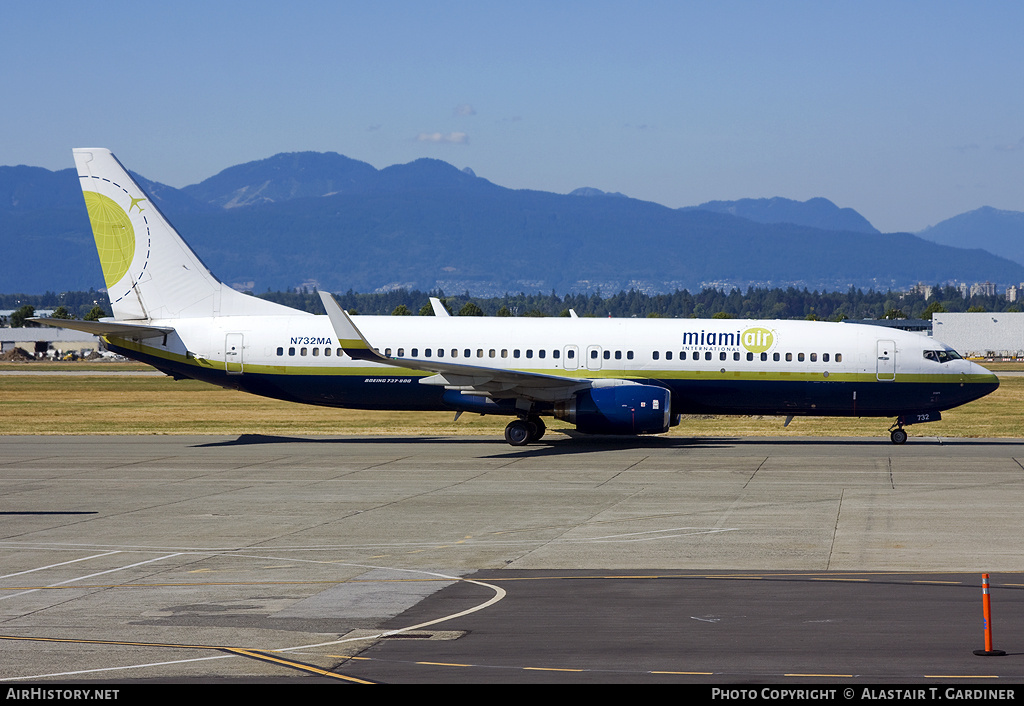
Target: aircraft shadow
<point>570,442</point>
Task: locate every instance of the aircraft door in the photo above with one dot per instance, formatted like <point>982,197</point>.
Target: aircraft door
<point>593,357</point>
<point>886,364</point>
<point>233,353</point>
<point>570,358</point>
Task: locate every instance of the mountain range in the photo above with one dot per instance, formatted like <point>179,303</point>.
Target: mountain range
<point>325,220</point>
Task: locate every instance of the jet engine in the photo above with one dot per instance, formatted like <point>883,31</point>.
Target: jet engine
<point>618,407</point>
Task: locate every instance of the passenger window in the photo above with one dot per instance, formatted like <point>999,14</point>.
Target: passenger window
<point>629,355</point>
<point>479,352</point>
<point>280,351</point>
<point>291,351</point>
<point>750,356</point>
<point>556,353</point>
<point>426,353</point>
<point>455,352</point>
<point>789,357</point>
<point>839,357</point>
<point>655,355</point>
<point>387,352</point>
<point>316,352</point>
<point>607,355</point>
<point>707,355</point>
<point>764,356</point>
<point>682,355</point>
<point>415,352</point>
<point>618,355</point>
<point>467,353</point>
<point>736,355</point>
<point>401,352</point>
<point>490,353</point>
<point>824,357</point>
<point>303,351</point>
<point>668,355</point>
<point>541,353</point>
<point>722,355</point>
<point>776,357</point>
<point>800,357</point>
<point>529,352</point>
<point>440,352</point>
<point>504,352</point>
<point>814,357</point>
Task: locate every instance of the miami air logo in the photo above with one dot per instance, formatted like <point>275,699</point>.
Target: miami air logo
<point>114,235</point>
<point>757,340</point>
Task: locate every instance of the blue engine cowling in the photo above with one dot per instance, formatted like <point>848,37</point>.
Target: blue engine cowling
<point>619,409</point>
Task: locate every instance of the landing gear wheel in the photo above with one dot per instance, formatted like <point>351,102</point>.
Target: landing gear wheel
<point>518,433</point>
<point>537,428</point>
<point>898,436</point>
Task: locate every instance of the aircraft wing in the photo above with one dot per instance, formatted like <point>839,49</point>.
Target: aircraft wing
<point>498,382</point>
<point>107,328</point>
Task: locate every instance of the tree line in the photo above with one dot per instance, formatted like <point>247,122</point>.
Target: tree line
<point>754,303</point>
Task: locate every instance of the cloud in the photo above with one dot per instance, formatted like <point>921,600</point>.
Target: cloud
<point>452,138</point>
<point>464,109</point>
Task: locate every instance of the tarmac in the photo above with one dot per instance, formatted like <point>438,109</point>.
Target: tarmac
<point>187,559</point>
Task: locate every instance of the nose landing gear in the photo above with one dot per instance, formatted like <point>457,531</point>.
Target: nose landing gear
<point>896,432</point>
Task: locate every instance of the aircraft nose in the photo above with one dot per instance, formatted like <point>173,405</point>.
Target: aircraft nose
<point>979,375</point>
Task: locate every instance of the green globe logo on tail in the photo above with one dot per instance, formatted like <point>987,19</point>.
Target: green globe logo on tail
<point>114,234</point>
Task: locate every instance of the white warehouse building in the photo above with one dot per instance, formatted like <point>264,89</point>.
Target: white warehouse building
<point>989,334</point>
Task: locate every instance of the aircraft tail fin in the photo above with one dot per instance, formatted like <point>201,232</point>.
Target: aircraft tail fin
<point>150,272</point>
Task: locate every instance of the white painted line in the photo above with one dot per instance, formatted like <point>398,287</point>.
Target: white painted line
<point>658,534</point>
<point>63,563</point>
<point>83,578</point>
<point>113,669</point>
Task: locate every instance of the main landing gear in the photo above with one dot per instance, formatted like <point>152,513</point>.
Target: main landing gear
<point>521,432</point>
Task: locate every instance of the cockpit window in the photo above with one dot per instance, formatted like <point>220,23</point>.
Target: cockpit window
<point>941,356</point>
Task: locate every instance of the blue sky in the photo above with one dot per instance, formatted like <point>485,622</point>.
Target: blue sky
<point>909,112</point>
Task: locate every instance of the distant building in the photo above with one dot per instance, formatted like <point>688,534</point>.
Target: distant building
<point>978,335</point>
<point>922,289</point>
<point>41,339</point>
<point>983,289</point>
<point>918,325</point>
<point>1012,293</point>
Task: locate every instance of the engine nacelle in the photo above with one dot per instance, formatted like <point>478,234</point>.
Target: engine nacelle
<point>623,408</point>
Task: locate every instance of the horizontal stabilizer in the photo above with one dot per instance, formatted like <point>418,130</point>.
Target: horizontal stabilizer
<point>107,328</point>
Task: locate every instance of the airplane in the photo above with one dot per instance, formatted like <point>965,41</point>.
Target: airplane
<point>604,376</point>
